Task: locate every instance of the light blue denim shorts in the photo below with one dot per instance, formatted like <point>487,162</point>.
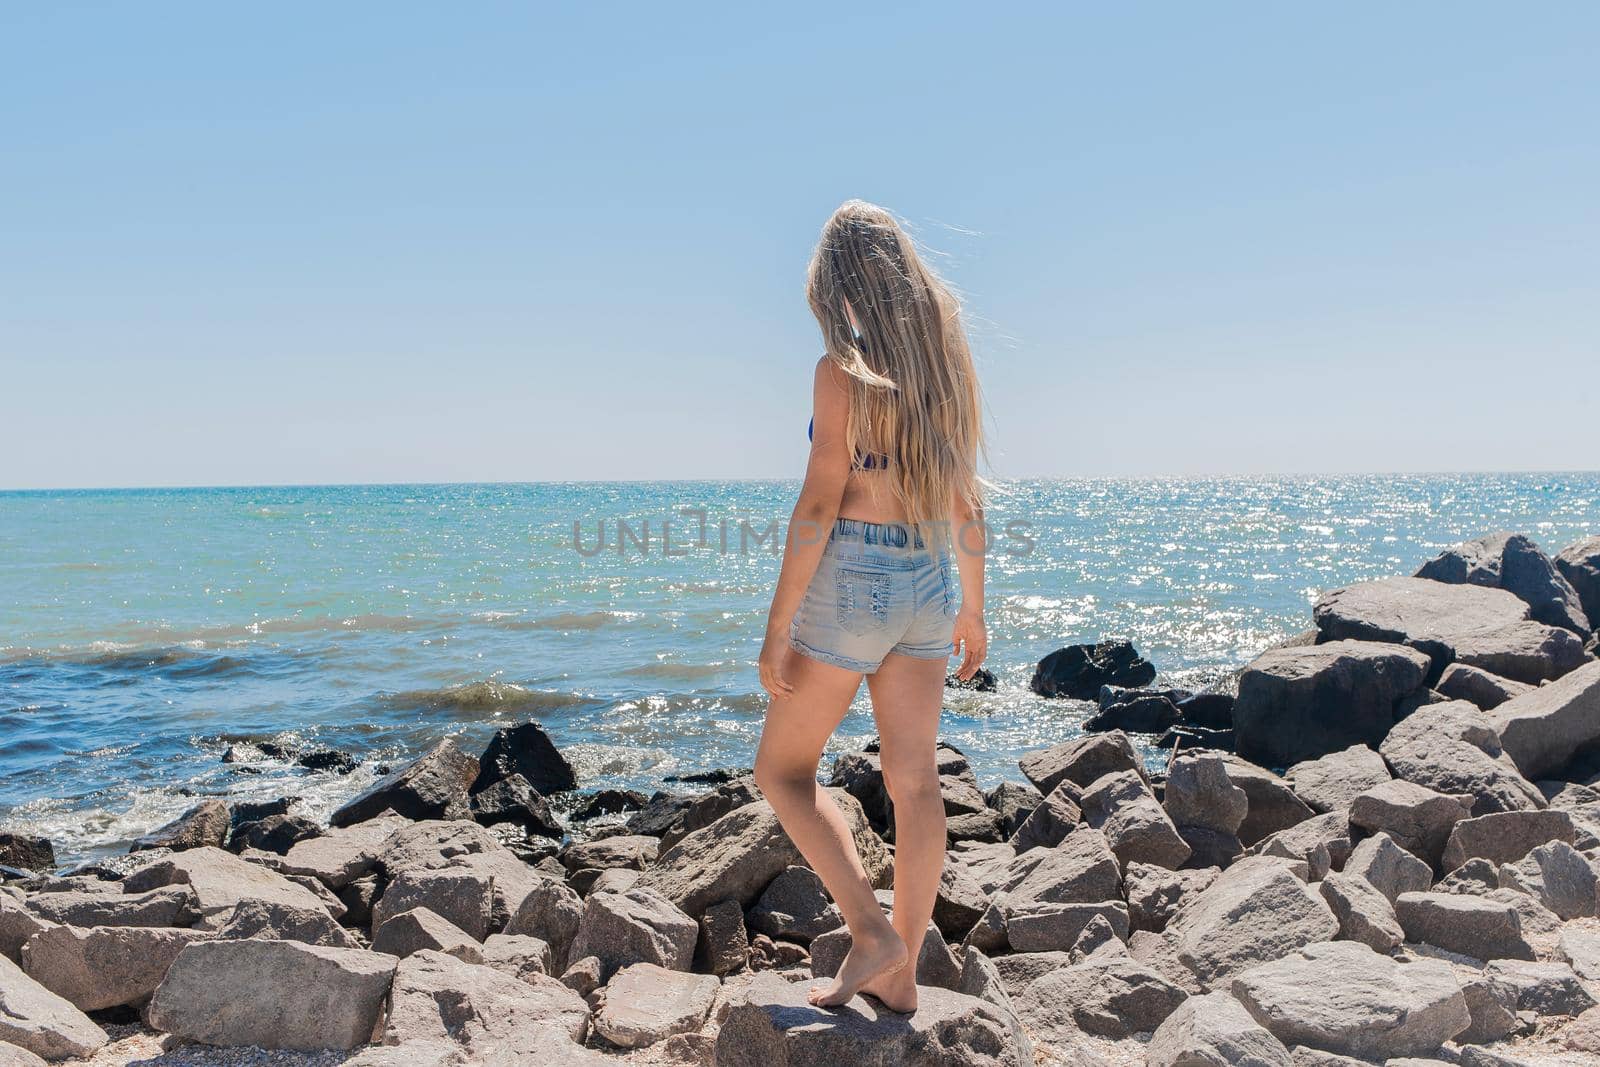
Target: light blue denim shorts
<point>878,590</point>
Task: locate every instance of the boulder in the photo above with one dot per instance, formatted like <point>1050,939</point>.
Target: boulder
<point>1419,819</point>
<point>1470,926</point>
<point>936,964</point>
<point>724,945</point>
<point>1514,563</point>
<point>1579,564</point>
<point>432,786</point>
<point>12,1056</point>
<point>1364,914</point>
<point>1344,998</point>
<point>1388,867</point>
<point>17,925</point>
<point>551,912</point>
<point>1052,927</point>
<point>461,897</point>
<point>1478,687</point>
<point>1080,761</point>
<point>1452,748</point>
<point>1255,911</point>
<point>1543,729</point>
<point>205,824</point>
<point>645,1004</point>
<point>1099,940</point>
<point>1529,652</point>
<point>166,906</point>
<point>526,750</point>
<point>959,901</point>
<point>513,800</point>
<point>273,833</point>
<point>1322,843</point>
<point>1135,711</point>
<point>440,998</point>
<point>795,907</point>
<point>339,857</point>
<point>1155,893</point>
<point>220,881</point>
<point>1122,807</point>
<point>1113,999</point>
<point>27,852</point>
<point>1214,1030</point>
<point>737,856</point>
<point>1297,704</point>
<point>1271,804</point>
<point>1013,802</point>
<point>1492,1003</point>
<point>1051,820</point>
<point>1210,848</point>
<point>38,1021</point>
<point>1544,989</point>
<point>1579,948</point>
<point>707,808</point>
<point>419,929</point>
<point>1200,793</point>
<point>1557,876</point>
<point>275,994</point>
<point>1081,870</point>
<point>773,1024</point>
<point>1078,671</point>
<point>1505,837</point>
<point>980,978</point>
<point>639,926</point>
<point>107,967</point>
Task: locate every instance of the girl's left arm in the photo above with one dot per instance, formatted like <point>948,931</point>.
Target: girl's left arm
<point>969,542</point>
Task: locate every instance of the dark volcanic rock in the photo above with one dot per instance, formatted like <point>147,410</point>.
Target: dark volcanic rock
<point>205,824</point>
<point>611,802</point>
<point>433,786</point>
<point>526,750</point>
<point>1078,671</point>
<point>513,800</point>
<point>1187,738</point>
<point>982,681</point>
<point>27,852</point>
<point>275,833</point>
<point>1297,704</point>
<point>1140,713</point>
<point>1211,711</point>
<point>1512,562</point>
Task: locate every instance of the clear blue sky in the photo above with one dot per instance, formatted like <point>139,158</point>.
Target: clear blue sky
<point>395,242</point>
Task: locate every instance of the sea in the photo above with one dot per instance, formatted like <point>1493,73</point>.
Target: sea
<point>144,632</point>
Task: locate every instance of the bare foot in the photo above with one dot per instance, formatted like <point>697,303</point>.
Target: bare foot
<point>869,956</point>
<point>895,990</point>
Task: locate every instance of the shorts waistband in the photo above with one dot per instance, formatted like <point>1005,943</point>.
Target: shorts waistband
<point>886,534</point>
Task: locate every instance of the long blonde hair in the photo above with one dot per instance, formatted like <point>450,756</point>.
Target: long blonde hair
<point>913,388</point>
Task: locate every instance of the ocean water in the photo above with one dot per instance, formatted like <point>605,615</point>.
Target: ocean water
<point>143,631</point>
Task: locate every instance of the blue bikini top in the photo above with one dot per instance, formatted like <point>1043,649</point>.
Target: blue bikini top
<point>869,462</point>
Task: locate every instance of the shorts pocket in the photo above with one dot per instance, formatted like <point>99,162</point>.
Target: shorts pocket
<point>947,581</point>
<point>862,601</point>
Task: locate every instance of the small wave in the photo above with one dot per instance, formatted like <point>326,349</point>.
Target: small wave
<point>564,620</point>
<point>680,671</point>
<point>485,695</point>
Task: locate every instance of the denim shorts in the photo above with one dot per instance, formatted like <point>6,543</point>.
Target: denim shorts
<point>878,590</point>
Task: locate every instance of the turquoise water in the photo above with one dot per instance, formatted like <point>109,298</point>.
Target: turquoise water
<point>141,631</point>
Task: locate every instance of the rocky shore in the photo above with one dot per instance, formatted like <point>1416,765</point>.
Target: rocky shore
<point>1381,845</point>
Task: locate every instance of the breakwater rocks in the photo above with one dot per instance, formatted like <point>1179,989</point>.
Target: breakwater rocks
<point>1399,864</point>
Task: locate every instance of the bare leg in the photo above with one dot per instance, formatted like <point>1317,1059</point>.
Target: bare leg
<point>907,694</point>
<point>798,726</point>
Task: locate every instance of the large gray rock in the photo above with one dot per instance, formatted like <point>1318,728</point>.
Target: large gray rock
<point>1215,1031</point>
<point>440,998</point>
<point>280,922</point>
<point>1557,876</point>
<point>1080,761</point>
<point>1052,819</point>
<point>1364,914</point>
<point>432,786</point>
<point>552,912</point>
<point>1344,998</point>
<point>275,994</point>
<point>624,851</point>
<point>1115,999</point>
<point>462,897</point>
<point>1121,806</point>
<point>1080,870</point>
<point>1388,867</point>
<point>1331,782</point>
<point>418,930</point>
<point>1271,804</point>
<point>1418,818</point>
<point>1256,911</point>
<point>737,856</point>
<point>1461,681</point>
<point>1200,793</point>
<point>1483,627</point>
<point>1471,926</point>
<point>1529,652</point>
<point>795,907</point>
<point>1512,562</point>
<point>12,1056</point>
<point>518,955</point>
<point>639,926</point>
<point>220,881</point>
<point>1452,748</point>
<point>1579,948</point>
<point>207,823</point>
<point>1544,989</point>
<point>167,906</point>
<point>106,967</point>
<point>17,925</point>
<point>1056,927</point>
<point>1506,836</point>
<point>341,856</point>
<point>724,945</point>
<point>1579,564</point>
<point>645,1004</point>
<point>1155,893</point>
<point>1296,704</point>
<point>772,1025</point>
<point>1322,843</point>
<point>39,1021</point>
<point>960,901</point>
<point>1543,729</point>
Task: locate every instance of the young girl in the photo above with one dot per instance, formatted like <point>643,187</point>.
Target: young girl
<point>891,497</point>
